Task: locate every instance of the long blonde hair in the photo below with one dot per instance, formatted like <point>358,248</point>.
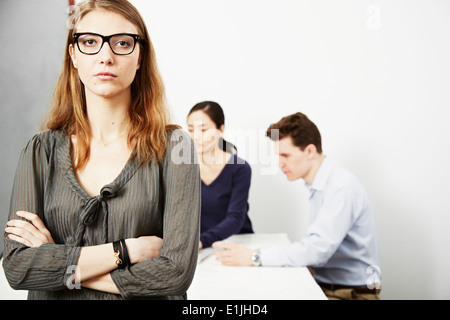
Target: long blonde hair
<point>148,112</point>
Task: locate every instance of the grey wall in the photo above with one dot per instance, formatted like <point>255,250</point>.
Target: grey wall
<point>32,34</point>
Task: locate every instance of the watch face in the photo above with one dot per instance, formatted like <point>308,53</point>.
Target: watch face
<point>256,259</point>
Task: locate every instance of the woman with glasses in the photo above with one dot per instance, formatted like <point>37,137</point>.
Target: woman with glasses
<point>99,208</point>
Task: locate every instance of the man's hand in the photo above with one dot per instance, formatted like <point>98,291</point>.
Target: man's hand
<point>232,254</point>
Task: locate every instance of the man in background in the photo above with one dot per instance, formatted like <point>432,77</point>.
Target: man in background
<point>341,246</point>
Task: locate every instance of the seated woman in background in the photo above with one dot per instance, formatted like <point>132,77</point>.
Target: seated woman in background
<point>225,177</point>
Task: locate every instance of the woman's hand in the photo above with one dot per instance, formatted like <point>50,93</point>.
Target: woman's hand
<point>31,233</point>
<point>143,248</point>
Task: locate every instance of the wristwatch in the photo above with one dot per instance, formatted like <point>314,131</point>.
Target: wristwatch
<point>256,259</point>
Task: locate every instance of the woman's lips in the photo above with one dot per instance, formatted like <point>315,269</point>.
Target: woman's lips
<point>105,76</point>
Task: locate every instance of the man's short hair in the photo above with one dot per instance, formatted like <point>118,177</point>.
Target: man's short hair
<point>302,131</point>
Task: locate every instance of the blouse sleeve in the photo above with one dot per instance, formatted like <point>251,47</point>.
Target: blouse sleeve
<point>237,207</point>
<point>49,266</point>
<point>171,273</point>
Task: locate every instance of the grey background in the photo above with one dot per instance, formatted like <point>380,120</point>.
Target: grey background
<point>32,34</point>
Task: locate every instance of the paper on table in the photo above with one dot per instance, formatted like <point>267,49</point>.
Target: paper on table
<point>204,254</point>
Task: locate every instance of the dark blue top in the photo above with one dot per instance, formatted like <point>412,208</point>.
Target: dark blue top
<point>225,203</point>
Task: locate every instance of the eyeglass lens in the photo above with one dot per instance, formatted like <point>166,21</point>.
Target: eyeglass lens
<point>92,44</point>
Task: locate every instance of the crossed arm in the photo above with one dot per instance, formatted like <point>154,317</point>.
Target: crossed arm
<point>95,262</point>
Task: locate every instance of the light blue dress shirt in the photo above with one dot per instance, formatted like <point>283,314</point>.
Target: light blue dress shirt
<point>341,242</point>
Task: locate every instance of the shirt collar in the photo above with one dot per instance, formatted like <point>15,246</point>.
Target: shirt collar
<point>321,178</point>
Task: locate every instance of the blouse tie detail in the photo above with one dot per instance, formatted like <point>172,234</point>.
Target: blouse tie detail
<point>94,207</point>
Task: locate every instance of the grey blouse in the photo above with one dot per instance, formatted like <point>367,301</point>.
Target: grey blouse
<point>157,199</point>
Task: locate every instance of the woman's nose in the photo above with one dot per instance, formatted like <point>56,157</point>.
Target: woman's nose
<point>106,55</point>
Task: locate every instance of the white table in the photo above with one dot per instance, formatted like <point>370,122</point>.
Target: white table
<point>214,281</point>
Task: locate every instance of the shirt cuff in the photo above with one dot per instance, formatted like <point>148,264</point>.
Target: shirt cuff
<point>206,241</point>
<point>118,281</point>
<point>270,258</point>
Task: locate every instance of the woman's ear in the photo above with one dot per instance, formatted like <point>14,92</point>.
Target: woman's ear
<point>222,128</point>
<point>72,56</point>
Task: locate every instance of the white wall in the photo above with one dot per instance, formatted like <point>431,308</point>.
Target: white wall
<point>373,75</point>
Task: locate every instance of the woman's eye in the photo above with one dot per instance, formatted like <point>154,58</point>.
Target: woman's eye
<point>122,44</point>
<point>89,42</point>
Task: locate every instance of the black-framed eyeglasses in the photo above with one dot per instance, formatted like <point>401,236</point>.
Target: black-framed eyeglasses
<point>92,43</point>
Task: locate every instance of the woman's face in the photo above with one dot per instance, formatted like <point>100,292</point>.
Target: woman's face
<point>203,131</point>
<point>105,74</point>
